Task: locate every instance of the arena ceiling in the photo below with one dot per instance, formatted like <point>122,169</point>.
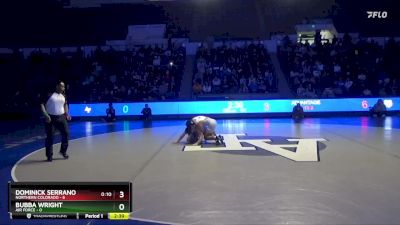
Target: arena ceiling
<point>98,3</point>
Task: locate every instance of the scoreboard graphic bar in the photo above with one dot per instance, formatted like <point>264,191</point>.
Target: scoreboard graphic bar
<point>66,200</point>
<point>236,106</point>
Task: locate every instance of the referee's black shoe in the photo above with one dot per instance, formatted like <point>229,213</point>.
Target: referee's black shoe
<point>64,155</point>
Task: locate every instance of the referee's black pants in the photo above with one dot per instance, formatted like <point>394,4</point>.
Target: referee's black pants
<point>59,123</point>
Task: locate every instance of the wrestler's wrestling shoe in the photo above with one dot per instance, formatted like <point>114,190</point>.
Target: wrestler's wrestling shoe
<point>219,140</point>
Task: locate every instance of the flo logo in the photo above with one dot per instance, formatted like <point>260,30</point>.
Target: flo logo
<point>299,150</point>
<point>377,14</point>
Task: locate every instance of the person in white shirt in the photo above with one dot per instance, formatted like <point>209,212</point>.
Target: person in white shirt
<point>206,88</point>
<point>55,110</point>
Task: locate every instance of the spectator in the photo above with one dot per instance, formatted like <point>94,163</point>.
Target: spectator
<point>243,81</point>
<point>366,92</point>
<point>197,88</point>
<point>348,86</point>
<point>379,109</point>
<point>310,92</point>
<point>216,84</point>
<point>298,112</point>
<point>110,113</point>
<point>252,84</point>
<point>163,90</point>
<point>359,61</point>
<point>206,88</point>
<point>328,93</point>
<point>243,89</point>
<point>146,112</point>
<point>301,92</point>
<point>270,81</point>
<point>226,85</point>
<point>232,66</point>
<point>262,88</point>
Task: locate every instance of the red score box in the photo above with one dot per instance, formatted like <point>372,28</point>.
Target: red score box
<point>82,195</point>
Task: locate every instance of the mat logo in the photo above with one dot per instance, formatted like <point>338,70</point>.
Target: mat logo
<point>377,14</point>
<point>306,150</point>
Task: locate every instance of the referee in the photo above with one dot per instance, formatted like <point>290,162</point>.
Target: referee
<point>55,110</point>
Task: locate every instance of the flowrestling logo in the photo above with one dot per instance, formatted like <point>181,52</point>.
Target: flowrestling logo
<point>305,150</point>
<point>377,14</point>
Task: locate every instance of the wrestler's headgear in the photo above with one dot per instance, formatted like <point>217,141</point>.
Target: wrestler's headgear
<point>189,122</point>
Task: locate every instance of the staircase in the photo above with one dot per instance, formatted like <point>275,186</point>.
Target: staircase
<point>283,86</point>
<point>186,84</point>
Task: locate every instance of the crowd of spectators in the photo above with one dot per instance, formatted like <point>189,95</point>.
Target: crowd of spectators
<point>341,68</point>
<point>145,73</point>
<point>233,69</point>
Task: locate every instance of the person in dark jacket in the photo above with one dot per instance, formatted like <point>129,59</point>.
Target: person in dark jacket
<point>379,109</point>
<point>146,112</point>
